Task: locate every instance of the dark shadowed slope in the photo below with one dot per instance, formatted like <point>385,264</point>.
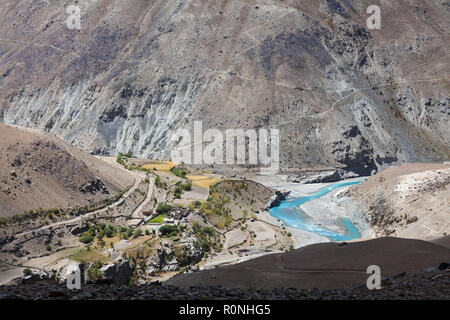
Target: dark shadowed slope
<point>324,265</point>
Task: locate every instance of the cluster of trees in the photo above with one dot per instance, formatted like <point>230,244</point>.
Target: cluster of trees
<point>179,172</point>
<point>163,208</point>
<point>121,156</point>
<point>127,233</point>
<point>94,272</point>
<point>123,160</point>
<point>180,188</point>
<point>206,238</point>
<point>100,231</point>
<point>195,205</point>
<point>216,206</point>
<point>169,230</point>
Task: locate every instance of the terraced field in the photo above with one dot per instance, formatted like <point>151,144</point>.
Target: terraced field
<point>202,180</point>
<point>159,165</point>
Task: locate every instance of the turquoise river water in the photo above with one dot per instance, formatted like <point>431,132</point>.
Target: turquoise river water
<point>290,213</point>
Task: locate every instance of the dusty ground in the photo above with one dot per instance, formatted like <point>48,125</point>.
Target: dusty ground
<point>323,266</point>
<point>409,201</point>
<point>425,285</point>
<point>40,171</point>
<point>197,193</point>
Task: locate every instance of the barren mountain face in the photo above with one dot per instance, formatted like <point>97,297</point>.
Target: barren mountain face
<point>40,171</point>
<point>342,95</point>
<point>407,201</point>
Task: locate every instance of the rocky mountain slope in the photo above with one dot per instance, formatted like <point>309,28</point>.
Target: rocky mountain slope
<point>323,265</point>
<point>39,171</point>
<point>409,201</point>
<point>341,94</point>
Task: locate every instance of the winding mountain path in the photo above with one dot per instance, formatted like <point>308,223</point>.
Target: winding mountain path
<point>138,212</point>
<point>137,181</point>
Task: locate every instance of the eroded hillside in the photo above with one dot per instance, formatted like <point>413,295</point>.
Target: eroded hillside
<point>40,172</point>
<point>409,201</point>
<point>341,94</point>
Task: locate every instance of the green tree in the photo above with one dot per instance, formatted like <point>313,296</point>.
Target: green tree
<point>168,230</point>
<point>137,233</point>
<point>163,208</point>
<point>86,237</point>
<point>27,272</point>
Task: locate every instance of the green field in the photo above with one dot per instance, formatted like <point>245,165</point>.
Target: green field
<point>159,218</point>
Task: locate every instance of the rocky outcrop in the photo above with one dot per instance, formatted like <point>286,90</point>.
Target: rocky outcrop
<point>94,186</point>
<point>36,276</point>
<point>408,201</point>
<point>119,272</point>
<point>275,200</point>
<point>166,259</point>
<point>354,152</point>
<point>324,177</point>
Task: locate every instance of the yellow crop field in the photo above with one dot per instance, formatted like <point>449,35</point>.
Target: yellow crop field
<point>159,165</point>
<point>202,181</point>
